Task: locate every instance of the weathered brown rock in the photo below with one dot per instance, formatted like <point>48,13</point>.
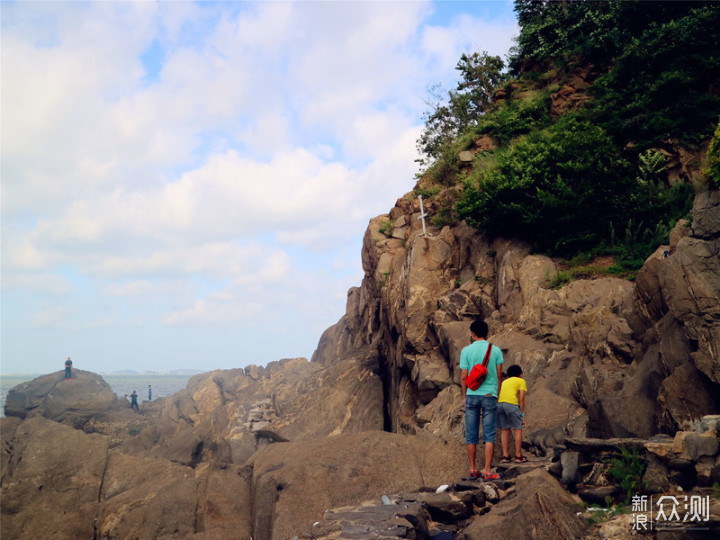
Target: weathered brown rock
<point>51,480</point>
<point>591,351</point>
<point>373,521</point>
<point>82,489</point>
<point>226,416</point>
<point>76,400</point>
<point>541,509</point>
<point>294,483</point>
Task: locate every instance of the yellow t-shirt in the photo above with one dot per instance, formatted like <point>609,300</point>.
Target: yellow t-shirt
<point>509,390</point>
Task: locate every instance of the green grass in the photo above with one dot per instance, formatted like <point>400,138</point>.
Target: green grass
<point>387,226</point>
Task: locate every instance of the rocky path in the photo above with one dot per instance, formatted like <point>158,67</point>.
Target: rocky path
<point>438,513</point>
<point>534,499</point>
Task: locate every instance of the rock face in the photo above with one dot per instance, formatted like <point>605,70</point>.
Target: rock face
<point>541,509</point>
<point>590,351</point>
<point>264,452</point>
<point>339,471</point>
<point>179,468</point>
<point>678,301</point>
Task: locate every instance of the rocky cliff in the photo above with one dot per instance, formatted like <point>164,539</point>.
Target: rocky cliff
<point>264,452</point>
<point>592,351</point>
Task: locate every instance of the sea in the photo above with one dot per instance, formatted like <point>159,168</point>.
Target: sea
<point>163,385</point>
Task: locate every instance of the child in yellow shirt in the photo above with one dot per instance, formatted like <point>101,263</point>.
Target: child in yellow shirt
<point>511,412</point>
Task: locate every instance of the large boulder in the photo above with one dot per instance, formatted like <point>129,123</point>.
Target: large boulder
<point>51,480</point>
<point>294,483</point>
<point>76,400</point>
<point>540,510</point>
<point>60,482</point>
<point>678,314</point>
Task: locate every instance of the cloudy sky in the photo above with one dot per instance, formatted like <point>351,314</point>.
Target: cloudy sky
<point>187,184</point>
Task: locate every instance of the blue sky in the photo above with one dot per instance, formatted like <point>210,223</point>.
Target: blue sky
<point>186,185</point>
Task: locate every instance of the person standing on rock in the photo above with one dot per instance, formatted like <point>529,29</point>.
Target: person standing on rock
<point>68,369</point>
<point>149,392</point>
<point>511,412</point>
<point>133,401</point>
<point>483,400</point>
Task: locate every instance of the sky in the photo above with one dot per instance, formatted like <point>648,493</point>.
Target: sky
<point>186,185</point>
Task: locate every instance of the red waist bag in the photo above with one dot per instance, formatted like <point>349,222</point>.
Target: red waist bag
<point>478,372</point>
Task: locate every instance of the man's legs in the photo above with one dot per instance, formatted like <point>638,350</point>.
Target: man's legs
<point>472,456</point>
<point>489,449</point>
<point>489,419</point>
<point>472,428</point>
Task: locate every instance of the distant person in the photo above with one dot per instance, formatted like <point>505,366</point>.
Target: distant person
<point>68,369</point>
<point>511,413</point>
<point>133,401</point>
<point>149,392</point>
<point>483,400</point>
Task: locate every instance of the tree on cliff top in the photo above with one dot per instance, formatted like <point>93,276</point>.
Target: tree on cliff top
<point>480,76</point>
<point>580,182</point>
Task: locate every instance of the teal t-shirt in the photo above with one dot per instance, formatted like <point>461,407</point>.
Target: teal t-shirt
<point>475,354</point>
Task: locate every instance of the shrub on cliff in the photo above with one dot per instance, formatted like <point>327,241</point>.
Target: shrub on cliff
<point>713,165</point>
<point>554,188</point>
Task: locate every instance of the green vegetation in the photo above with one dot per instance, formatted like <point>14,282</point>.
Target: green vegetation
<point>659,87</point>
<point>427,192</point>
<point>588,178</point>
<point>560,279</point>
<point>595,515</point>
<point>713,160</point>
<point>628,469</point>
<point>444,216</point>
<point>481,75</point>
<point>386,227</point>
<point>553,188</point>
<point>516,117</point>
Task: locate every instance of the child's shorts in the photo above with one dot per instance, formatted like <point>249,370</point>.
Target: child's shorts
<point>509,416</point>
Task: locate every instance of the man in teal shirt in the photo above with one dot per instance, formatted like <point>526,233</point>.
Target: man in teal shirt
<point>483,400</point>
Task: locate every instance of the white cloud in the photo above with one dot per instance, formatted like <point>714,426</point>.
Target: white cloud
<point>44,282</point>
<point>228,198</point>
<point>231,185</point>
<point>132,288</point>
<point>215,310</point>
<point>468,34</point>
<point>54,317</point>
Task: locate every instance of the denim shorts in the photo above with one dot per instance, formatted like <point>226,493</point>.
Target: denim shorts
<point>509,416</point>
<point>474,404</point>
